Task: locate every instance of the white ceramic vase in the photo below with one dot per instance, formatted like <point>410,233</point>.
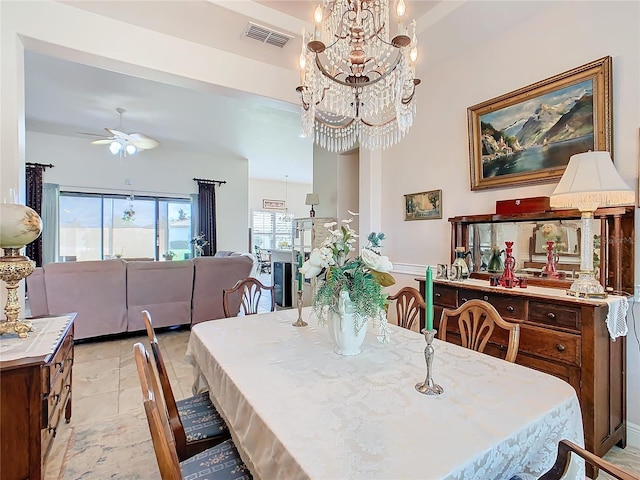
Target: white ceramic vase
<point>347,330</point>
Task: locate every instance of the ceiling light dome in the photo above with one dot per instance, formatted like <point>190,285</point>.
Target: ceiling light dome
<point>115,147</point>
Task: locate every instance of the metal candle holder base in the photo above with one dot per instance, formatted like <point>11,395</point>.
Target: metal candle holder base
<point>428,387</point>
<point>300,322</point>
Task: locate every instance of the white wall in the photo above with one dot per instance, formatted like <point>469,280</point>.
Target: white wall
<point>434,155</point>
<point>80,166</point>
<point>260,189</point>
<point>54,28</point>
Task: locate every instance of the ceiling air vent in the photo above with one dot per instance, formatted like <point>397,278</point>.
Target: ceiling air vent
<point>266,35</point>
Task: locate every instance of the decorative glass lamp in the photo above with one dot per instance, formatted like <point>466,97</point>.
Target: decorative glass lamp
<point>590,182</point>
<point>19,226</point>
<point>312,199</point>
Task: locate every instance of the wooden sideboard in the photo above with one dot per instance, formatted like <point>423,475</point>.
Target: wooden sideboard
<point>559,335</point>
<point>35,392</point>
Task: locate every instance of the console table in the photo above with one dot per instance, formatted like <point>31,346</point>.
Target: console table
<point>559,335</point>
<point>35,391</point>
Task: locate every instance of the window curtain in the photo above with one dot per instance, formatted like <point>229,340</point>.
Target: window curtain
<point>195,224</point>
<point>33,184</point>
<point>50,222</point>
<point>207,214</point>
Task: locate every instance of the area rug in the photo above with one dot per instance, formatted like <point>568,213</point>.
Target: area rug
<point>117,447</point>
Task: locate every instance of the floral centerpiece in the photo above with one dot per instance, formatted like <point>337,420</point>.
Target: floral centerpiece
<point>199,242</point>
<point>350,287</point>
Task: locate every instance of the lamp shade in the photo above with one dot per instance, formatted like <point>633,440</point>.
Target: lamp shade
<point>312,199</point>
<point>19,225</point>
<point>591,181</point>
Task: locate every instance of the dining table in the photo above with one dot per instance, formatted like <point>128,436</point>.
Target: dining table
<point>298,410</point>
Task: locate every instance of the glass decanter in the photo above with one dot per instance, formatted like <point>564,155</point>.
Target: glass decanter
<point>508,278</point>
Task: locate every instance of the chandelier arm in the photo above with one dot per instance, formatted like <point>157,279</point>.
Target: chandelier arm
<point>363,84</point>
<point>368,124</point>
<point>407,100</point>
<point>335,127</point>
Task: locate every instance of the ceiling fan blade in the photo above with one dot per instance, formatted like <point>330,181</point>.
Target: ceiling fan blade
<point>104,141</point>
<point>92,134</point>
<point>142,141</point>
<point>117,133</point>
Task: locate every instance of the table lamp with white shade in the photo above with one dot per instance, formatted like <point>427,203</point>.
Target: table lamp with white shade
<point>19,226</point>
<point>312,199</point>
<point>589,182</point>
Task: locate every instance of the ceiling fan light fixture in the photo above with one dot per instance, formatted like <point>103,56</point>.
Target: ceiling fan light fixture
<point>115,147</point>
<point>131,149</point>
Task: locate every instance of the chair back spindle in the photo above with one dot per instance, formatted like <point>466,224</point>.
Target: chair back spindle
<point>477,320</point>
<point>248,292</point>
<point>409,303</point>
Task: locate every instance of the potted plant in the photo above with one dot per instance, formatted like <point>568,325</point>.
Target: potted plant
<point>350,290</point>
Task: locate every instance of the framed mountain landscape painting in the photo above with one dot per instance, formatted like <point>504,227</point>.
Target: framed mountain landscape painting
<point>527,136</point>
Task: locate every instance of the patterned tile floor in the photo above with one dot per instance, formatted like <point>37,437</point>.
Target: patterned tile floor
<point>106,386</point>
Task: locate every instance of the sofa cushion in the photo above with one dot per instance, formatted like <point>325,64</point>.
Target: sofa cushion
<point>95,290</point>
<point>211,276</point>
<point>162,288</point>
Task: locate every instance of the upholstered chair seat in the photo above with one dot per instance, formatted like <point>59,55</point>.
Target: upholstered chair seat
<point>199,418</point>
<point>221,462</point>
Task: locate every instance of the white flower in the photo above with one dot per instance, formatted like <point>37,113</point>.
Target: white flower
<point>319,259</point>
<point>379,263</point>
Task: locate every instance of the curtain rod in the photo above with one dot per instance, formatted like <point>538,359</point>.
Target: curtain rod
<point>204,180</point>
<point>43,165</point>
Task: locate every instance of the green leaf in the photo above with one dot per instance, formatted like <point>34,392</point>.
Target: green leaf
<point>383,278</point>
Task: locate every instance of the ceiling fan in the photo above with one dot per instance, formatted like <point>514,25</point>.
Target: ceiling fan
<point>121,143</point>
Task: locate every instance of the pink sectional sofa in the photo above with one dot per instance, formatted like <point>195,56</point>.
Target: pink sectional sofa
<point>109,295</point>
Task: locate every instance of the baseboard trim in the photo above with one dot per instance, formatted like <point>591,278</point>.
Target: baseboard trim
<point>633,435</point>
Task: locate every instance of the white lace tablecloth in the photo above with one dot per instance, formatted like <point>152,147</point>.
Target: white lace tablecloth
<point>42,340</point>
<point>297,410</point>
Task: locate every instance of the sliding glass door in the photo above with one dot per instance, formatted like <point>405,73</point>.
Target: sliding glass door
<point>102,226</point>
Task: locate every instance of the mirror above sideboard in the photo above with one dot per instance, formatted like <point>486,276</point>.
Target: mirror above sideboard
<point>484,235</point>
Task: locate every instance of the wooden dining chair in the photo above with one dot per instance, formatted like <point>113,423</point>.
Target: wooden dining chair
<point>194,421</point>
<point>477,320</point>
<point>409,303</point>
<point>565,448</point>
<point>246,294</point>
<point>220,462</point>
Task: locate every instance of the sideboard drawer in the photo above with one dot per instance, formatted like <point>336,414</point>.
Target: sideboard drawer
<point>555,315</point>
<point>508,307</point>
<point>61,361</point>
<point>444,296</point>
<point>550,344</point>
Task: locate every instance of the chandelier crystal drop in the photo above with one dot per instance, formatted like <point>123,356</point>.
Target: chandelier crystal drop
<point>355,83</point>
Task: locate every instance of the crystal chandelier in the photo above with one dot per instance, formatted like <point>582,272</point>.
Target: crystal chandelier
<point>356,84</point>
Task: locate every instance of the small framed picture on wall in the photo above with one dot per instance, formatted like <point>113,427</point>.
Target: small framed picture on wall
<point>273,204</point>
<point>423,205</point>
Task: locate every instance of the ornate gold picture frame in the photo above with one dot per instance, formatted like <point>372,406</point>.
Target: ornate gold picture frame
<point>527,136</point>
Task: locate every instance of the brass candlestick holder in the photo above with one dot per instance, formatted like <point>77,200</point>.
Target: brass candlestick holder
<point>429,387</point>
<point>13,268</point>
<point>300,322</point>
